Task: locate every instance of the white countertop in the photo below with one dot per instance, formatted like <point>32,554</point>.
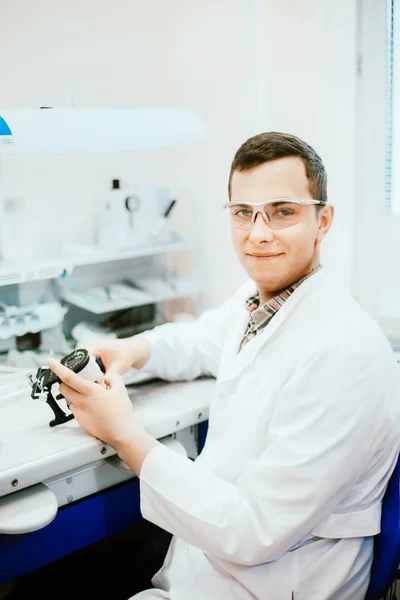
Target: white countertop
<point>31,451</point>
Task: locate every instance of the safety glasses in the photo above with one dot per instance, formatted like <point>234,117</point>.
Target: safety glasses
<point>277,213</point>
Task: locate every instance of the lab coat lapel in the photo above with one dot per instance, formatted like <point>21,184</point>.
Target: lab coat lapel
<point>233,362</point>
<point>238,322</point>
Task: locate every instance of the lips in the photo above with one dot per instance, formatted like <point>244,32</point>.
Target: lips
<point>268,255</point>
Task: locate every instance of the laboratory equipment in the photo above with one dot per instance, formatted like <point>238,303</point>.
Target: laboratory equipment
<point>81,131</point>
<point>94,131</point>
<point>162,224</point>
<point>80,361</point>
<point>20,320</point>
<point>130,217</point>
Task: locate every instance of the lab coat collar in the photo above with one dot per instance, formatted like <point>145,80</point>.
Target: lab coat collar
<point>233,362</point>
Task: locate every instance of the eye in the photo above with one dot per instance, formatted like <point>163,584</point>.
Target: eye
<point>284,212</point>
<point>243,213</point>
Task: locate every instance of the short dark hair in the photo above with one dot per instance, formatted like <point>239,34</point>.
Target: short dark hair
<point>273,145</point>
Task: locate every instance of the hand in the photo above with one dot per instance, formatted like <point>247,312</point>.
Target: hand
<point>118,356</point>
<point>105,412</point>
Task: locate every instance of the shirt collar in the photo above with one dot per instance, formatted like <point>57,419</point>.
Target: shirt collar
<point>261,315</point>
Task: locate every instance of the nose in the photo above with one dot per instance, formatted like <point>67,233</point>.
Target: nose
<point>261,232</point>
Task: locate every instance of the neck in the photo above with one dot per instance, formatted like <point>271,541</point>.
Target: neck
<point>266,295</point>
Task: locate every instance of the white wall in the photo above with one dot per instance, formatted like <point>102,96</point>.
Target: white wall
<point>244,65</point>
<point>131,53</point>
<point>311,83</point>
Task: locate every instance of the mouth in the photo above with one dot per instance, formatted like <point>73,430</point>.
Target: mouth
<point>266,256</point>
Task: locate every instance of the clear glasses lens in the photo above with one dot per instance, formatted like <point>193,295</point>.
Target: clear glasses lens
<point>278,215</point>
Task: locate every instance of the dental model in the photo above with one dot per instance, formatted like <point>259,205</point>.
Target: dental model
<point>81,362</point>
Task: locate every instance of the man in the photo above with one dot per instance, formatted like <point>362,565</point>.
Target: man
<point>305,416</point>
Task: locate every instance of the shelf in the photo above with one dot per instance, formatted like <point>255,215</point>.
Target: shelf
<point>96,301</point>
<point>89,255</point>
<point>24,271</point>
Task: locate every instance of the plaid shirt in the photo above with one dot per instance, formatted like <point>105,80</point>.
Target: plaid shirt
<point>260,316</point>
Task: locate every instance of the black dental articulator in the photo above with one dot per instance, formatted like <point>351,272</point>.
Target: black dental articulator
<point>81,362</point>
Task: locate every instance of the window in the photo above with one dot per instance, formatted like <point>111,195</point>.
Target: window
<point>392,141</point>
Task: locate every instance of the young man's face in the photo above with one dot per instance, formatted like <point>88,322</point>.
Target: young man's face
<point>275,258</point>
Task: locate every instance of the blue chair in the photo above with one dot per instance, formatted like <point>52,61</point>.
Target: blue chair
<point>387,544</point>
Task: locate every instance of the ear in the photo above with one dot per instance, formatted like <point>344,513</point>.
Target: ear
<point>325,218</point>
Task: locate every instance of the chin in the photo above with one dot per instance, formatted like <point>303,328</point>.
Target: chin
<point>270,279</point>
<point>260,270</point>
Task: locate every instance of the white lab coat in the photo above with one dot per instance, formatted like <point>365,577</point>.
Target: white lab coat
<point>304,432</point>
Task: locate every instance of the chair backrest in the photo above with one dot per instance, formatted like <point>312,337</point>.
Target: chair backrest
<point>387,544</point>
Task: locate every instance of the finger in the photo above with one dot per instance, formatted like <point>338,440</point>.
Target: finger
<point>97,353</point>
<point>114,380</point>
<point>113,377</point>
<point>70,394</point>
<point>93,350</point>
<point>73,380</point>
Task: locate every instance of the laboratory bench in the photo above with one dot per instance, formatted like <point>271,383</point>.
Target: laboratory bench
<point>63,492</point>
